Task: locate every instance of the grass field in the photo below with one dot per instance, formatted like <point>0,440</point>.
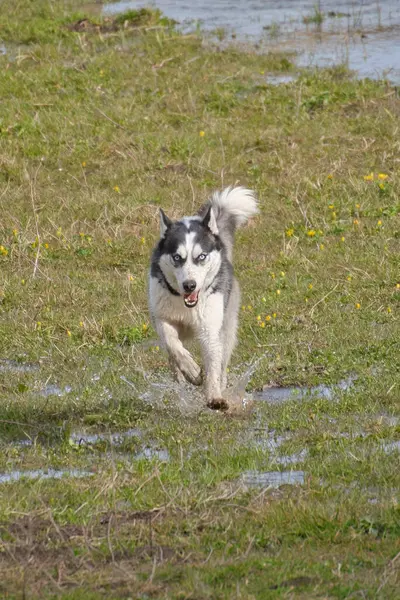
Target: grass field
<point>103,121</point>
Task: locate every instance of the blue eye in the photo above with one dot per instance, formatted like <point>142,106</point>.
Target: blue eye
<point>202,257</point>
<point>176,257</point>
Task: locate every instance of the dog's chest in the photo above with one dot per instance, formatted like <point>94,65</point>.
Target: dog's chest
<point>172,308</point>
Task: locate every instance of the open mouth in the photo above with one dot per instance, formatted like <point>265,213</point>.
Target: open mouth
<point>191,299</point>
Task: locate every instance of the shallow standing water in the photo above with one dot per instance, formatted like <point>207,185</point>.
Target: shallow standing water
<point>362,34</point>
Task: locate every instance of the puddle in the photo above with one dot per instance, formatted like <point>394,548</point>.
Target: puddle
<point>151,454</point>
<point>389,447</point>
<point>14,366</point>
<point>267,440</point>
<point>55,390</point>
<point>291,459</point>
<point>272,479</point>
<point>164,392</point>
<point>43,474</point>
<point>363,35</point>
<point>279,395</point>
<point>280,78</point>
<point>115,439</point>
<point>388,420</point>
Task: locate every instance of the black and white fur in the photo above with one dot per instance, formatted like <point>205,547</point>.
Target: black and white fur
<point>193,292</point>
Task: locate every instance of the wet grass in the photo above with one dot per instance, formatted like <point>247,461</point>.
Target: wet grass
<point>103,121</point>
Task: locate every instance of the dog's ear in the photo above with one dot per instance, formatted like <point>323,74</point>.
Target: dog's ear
<point>165,222</point>
<point>210,221</point>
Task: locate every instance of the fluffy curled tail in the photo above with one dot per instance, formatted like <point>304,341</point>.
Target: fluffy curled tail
<point>232,208</point>
<point>235,205</point>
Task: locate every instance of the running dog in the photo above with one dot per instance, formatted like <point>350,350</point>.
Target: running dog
<point>193,292</point>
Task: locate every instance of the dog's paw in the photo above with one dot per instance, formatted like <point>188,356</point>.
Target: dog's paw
<point>196,379</point>
<point>218,404</point>
<point>193,373</point>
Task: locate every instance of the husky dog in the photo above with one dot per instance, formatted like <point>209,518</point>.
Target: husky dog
<point>193,292</point>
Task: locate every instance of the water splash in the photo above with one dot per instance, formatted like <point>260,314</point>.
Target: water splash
<point>163,392</point>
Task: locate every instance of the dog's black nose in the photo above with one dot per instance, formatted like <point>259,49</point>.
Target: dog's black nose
<point>189,285</point>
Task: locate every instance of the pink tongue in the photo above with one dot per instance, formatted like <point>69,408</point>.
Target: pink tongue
<point>191,297</point>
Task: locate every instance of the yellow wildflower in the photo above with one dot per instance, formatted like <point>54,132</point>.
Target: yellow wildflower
<point>330,176</point>
<point>333,215</point>
<point>22,281</point>
<point>389,309</point>
<point>311,233</point>
<point>379,223</point>
<point>262,324</point>
<point>268,318</point>
<point>272,275</point>
<point>263,299</point>
<point>282,273</point>
<point>358,305</point>
<point>289,232</point>
<point>116,189</point>
<point>349,277</point>
<point>142,240</point>
<point>15,232</point>
<point>258,317</point>
<point>310,286</point>
<point>249,307</point>
<point>81,323</point>
<point>358,205</point>
<point>278,292</point>
<point>3,251</point>
<point>69,333</point>
<point>46,246</point>
<point>157,348</point>
<point>202,133</point>
<point>243,307</point>
<point>145,327</point>
<point>331,206</point>
<point>130,277</point>
<point>398,286</point>
<point>83,164</point>
<point>321,246</point>
<point>369,177</point>
<point>356,222</point>
<point>382,176</point>
<point>274,315</point>
<point>381,186</point>
<point>342,239</point>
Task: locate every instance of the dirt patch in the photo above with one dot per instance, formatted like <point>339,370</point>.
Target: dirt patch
<point>88,26</point>
<point>295,582</point>
<point>132,19</point>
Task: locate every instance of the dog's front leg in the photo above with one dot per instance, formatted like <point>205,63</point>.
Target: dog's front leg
<point>211,341</point>
<point>181,360</point>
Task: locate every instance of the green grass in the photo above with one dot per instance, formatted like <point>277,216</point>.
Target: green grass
<point>100,126</point>
<point>316,18</point>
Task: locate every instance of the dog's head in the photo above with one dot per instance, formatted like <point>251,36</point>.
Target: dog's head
<point>189,254</point>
